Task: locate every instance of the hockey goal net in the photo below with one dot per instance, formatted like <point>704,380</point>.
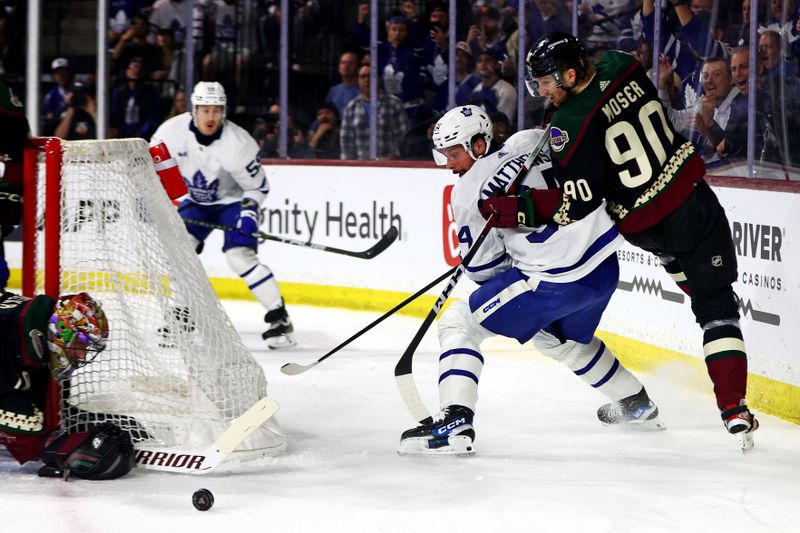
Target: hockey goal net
<point>175,372</point>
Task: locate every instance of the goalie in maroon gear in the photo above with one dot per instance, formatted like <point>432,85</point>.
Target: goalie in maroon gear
<point>76,332</point>
<point>41,337</point>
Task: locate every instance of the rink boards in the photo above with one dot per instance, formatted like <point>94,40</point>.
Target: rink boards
<point>649,322</point>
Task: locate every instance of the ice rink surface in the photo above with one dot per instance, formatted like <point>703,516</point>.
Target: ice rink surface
<point>543,462</point>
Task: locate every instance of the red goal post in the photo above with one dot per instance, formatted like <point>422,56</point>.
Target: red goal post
<point>175,373</point>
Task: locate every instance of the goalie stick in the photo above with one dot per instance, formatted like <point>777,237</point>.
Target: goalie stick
<point>383,243</point>
<point>292,369</point>
<point>403,372</point>
<point>190,462</point>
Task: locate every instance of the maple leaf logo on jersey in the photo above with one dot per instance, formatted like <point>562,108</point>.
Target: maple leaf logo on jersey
<point>604,84</point>
<point>201,190</point>
<point>393,80</point>
<point>558,139</point>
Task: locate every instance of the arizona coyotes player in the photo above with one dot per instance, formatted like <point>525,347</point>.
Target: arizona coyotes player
<point>46,338</point>
<point>612,140</point>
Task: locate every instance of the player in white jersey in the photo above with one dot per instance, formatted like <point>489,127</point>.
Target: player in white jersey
<point>542,283</point>
<point>227,185</point>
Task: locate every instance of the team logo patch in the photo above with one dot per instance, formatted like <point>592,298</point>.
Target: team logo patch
<point>467,112</point>
<point>558,139</point>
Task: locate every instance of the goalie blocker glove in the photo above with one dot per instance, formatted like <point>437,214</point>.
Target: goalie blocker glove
<point>103,452</point>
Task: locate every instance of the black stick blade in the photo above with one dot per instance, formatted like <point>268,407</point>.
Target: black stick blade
<point>388,238</point>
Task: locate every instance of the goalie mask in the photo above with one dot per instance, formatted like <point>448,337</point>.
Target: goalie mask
<point>460,125</point>
<point>208,93</point>
<point>76,333</point>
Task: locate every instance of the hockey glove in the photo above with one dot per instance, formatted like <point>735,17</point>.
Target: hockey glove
<point>103,452</point>
<point>508,211</point>
<point>246,225</point>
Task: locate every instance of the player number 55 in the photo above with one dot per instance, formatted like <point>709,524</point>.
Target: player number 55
<point>252,168</point>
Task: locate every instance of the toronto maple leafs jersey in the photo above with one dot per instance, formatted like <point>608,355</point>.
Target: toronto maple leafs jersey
<point>550,252</point>
<point>223,172</point>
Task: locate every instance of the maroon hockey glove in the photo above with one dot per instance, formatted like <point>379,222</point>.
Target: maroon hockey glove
<point>508,211</point>
<point>103,452</point>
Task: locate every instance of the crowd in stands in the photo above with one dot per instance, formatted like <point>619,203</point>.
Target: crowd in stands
<point>702,77</point>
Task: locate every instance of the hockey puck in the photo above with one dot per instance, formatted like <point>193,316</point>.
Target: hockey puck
<point>202,499</point>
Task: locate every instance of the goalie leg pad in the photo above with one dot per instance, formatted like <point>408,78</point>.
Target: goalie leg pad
<point>19,415</point>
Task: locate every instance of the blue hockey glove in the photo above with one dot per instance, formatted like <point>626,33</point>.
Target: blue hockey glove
<point>246,225</point>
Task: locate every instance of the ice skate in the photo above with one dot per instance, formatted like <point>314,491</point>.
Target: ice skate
<point>451,433</point>
<point>739,421</point>
<point>180,323</point>
<point>634,412</point>
<point>279,335</point>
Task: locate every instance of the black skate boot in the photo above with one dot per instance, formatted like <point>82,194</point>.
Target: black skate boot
<point>451,433</point>
<point>635,412</point>
<point>741,422</point>
<point>279,335</point>
<point>180,323</point>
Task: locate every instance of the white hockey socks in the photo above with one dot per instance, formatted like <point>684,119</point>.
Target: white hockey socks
<point>260,279</point>
<point>594,363</point>
<point>460,362</point>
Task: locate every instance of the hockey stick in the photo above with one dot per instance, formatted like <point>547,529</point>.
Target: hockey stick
<point>403,372</point>
<point>292,369</point>
<point>188,462</point>
<point>382,244</point>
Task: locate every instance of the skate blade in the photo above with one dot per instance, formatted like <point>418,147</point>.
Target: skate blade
<point>457,446</point>
<point>654,424</point>
<point>746,441</point>
<point>281,342</point>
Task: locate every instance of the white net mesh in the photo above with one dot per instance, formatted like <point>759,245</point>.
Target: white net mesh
<point>175,372</point>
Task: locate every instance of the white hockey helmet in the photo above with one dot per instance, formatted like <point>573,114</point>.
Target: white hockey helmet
<point>460,125</point>
<point>209,93</point>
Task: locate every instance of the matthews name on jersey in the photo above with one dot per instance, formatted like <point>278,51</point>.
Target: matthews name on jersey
<point>643,167</point>
<point>549,252</point>
<point>220,172</point>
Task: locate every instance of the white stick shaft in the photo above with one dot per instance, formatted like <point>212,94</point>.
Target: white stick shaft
<point>193,462</point>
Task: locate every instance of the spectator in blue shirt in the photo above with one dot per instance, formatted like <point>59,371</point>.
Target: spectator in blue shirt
<point>54,101</point>
<point>341,93</point>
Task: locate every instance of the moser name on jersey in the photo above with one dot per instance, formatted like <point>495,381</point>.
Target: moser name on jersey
<point>622,99</point>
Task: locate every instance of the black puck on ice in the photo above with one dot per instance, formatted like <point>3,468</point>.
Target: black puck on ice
<point>202,499</point>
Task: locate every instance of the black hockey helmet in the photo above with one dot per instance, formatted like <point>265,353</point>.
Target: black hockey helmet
<point>552,54</point>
